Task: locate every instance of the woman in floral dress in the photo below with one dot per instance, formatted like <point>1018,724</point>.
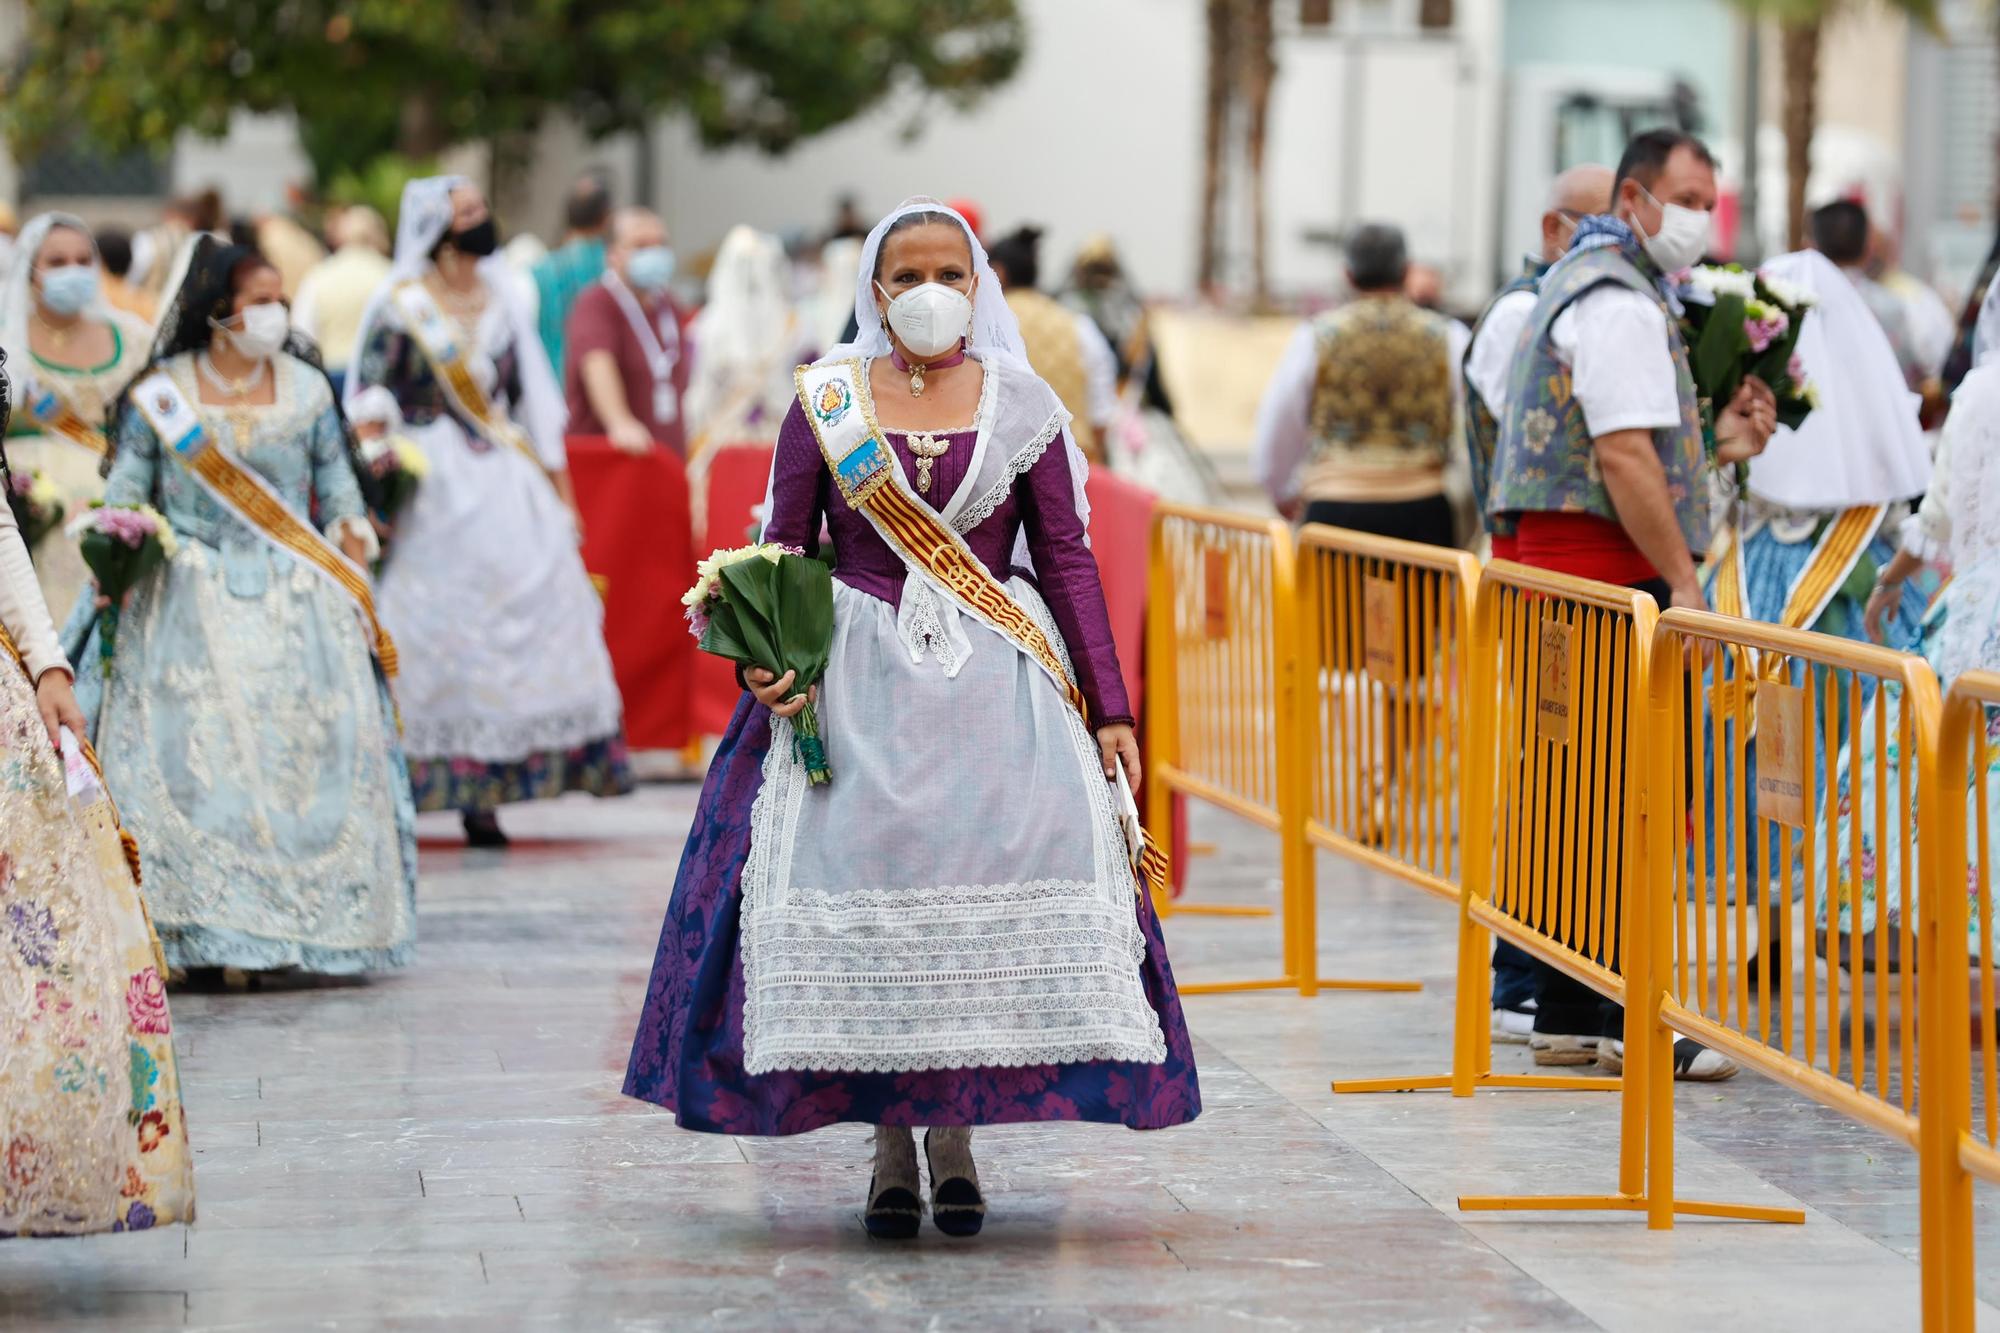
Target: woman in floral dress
<point>91,1132</point>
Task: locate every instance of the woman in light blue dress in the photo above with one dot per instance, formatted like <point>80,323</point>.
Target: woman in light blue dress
<point>245,728</point>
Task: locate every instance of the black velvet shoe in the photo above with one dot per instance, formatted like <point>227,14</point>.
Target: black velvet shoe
<point>482,829</point>
<point>893,1214</point>
<point>957,1206</point>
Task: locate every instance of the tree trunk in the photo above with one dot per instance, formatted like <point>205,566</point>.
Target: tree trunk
<point>1260,68</point>
<point>421,133</point>
<point>1800,41</point>
<point>1215,133</point>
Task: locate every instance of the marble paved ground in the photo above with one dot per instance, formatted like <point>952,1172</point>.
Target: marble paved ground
<point>448,1149</point>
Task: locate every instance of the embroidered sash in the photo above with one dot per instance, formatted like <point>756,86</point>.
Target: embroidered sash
<point>248,496</point>
<point>841,411</point>
<point>1839,548</point>
<point>439,342</point>
<point>53,413</point>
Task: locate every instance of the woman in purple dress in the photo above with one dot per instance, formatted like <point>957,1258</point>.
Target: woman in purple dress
<point>949,933</point>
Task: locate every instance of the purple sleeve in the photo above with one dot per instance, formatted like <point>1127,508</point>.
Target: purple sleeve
<point>1067,572</point>
<point>798,486</point>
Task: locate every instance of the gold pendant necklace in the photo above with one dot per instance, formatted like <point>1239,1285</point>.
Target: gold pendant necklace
<point>927,449</point>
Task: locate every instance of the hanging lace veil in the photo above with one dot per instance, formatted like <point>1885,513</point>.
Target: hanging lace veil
<point>994,338</point>
<point>422,220</point>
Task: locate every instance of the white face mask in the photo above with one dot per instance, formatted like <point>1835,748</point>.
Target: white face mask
<point>265,327</point>
<point>1682,238</point>
<point>930,319</point>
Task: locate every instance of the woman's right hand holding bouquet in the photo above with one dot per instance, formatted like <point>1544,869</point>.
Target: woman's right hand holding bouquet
<point>1743,428</point>
<point>775,692</point>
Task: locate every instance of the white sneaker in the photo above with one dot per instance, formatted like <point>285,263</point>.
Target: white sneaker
<point>1695,1063</point>
<point>1563,1051</point>
<point>1512,1027</point>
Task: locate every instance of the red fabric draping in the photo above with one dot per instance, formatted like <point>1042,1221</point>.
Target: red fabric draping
<point>638,545</point>
<point>735,477</point>
<point>1121,526</point>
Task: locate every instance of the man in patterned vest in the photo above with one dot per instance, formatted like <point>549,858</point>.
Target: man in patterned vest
<point>1065,346</point>
<point>1356,425</point>
<point>1576,194</point>
<point>1602,469</point>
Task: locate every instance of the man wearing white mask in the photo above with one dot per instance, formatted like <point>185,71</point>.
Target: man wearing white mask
<point>1602,470</point>
<point>627,358</point>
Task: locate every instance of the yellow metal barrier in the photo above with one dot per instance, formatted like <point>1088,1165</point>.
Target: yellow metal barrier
<point>1785,760</point>
<point>1221,662</point>
<point>1960,1134</point>
<point>1384,628</point>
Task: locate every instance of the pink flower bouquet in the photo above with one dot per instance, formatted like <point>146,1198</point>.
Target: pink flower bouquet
<point>121,545</point>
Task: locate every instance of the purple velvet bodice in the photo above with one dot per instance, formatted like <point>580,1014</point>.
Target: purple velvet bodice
<point>1042,504</point>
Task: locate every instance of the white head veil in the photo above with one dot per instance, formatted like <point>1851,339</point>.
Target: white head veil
<point>1862,444</point>
<point>422,220</point>
<point>994,334</point>
<point>994,338</point>
<point>1986,330</point>
<point>17,301</point>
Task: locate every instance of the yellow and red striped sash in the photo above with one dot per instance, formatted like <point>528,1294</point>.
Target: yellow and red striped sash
<point>439,343</point>
<point>841,412</point>
<point>251,499</point>
<point>52,412</point>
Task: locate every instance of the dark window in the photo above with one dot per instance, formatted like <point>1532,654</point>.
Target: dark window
<point>77,171</point>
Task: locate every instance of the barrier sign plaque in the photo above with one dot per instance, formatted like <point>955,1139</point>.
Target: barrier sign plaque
<point>1382,628</point>
<point>1781,754</point>
<point>1215,593</point>
<point>1555,685</point>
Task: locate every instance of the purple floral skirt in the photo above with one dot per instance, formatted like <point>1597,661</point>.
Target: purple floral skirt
<point>688,1054</point>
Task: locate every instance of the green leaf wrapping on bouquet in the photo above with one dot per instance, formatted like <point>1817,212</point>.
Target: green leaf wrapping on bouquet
<point>781,614</point>
<point>117,566</point>
<point>1719,351</point>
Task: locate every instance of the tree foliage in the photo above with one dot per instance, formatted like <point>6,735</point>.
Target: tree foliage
<point>364,76</point>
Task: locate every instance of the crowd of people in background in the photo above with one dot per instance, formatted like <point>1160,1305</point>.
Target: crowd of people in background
<point>311,666</point>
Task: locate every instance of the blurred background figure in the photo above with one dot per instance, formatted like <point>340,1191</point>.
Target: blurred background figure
<point>334,295</point>
<point>284,238</point>
<point>506,688</point>
<point>1356,426</point>
<point>1099,288</point>
<point>628,361</point>
<point>1064,345</point>
<point>750,339</point>
<point>70,354</point>
<point>1840,231</point>
<point>848,224</point>
<point>572,267</point>
<point>114,255</point>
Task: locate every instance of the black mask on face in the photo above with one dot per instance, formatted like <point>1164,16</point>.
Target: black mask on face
<point>479,240</point>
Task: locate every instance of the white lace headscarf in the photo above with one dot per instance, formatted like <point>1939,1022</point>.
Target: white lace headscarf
<point>746,334</point>
<point>422,220</point>
<point>17,301</point>
<point>1862,445</point>
<point>994,337</point>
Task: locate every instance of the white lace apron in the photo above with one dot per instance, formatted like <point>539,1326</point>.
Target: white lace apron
<point>959,895</point>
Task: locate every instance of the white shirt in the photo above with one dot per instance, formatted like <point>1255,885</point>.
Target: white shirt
<point>1284,420</point>
<point>1100,372</point>
<point>1490,369</point>
<point>1614,341</point>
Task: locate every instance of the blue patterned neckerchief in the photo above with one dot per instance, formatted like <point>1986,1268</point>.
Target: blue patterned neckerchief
<point>1602,229</point>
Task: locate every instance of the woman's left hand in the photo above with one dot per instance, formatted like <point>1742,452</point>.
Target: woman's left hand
<point>1119,744</point>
